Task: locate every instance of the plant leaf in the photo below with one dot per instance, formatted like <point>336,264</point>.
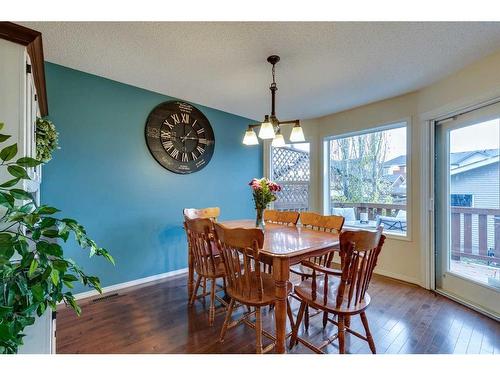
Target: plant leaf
<point>33,267</point>
<point>21,194</point>
<point>54,276</point>
<point>28,162</point>
<point>8,152</point>
<point>18,172</point>
<point>47,210</point>
<point>4,137</point>
<point>10,183</point>
<point>50,233</point>
<point>6,200</point>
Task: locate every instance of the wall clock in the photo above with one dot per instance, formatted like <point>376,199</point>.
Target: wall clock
<point>179,137</point>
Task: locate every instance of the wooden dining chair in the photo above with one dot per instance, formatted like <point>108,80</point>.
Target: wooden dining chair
<point>331,224</point>
<point>342,293</point>
<point>211,213</point>
<point>247,282</point>
<point>201,213</point>
<point>207,264</point>
<point>281,217</point>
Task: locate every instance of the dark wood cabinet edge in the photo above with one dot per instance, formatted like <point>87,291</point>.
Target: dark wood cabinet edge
<point>32,39</point>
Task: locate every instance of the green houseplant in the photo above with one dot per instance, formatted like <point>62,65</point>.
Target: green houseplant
<point>46,139</point>
<point>34,272</point>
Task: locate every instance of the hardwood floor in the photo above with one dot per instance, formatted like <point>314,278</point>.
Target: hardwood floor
<point>156,319</point>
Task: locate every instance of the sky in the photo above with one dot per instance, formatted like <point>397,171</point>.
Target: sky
<point>482,136</point>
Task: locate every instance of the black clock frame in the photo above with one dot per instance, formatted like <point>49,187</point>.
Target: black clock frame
<point>153,129</point>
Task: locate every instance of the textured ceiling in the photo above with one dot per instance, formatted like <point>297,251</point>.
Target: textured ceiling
<point>325,66</point>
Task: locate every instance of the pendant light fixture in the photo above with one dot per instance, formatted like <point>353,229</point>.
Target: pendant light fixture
<point>270,128</point>
<point>279,140</point>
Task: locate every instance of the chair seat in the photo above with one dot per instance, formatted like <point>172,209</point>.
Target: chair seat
<point>305,271</point>
<point>301,270</point>
<point>268,291</point>
<point>304,292</point>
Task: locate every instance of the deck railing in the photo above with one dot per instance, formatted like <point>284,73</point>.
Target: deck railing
<point>373,209</point>
<point>475,232</point>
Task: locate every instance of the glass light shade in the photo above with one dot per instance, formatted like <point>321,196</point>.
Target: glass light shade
<point>297,134</point>
<point>250,138</point>
<point>266,130</point>
<point>278,141</point>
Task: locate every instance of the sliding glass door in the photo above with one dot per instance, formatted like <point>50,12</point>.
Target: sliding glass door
<point>467,201</point>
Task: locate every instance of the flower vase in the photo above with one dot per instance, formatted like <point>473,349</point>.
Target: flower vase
<point>259,220</point>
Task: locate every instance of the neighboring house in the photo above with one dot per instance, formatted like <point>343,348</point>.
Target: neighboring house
<point>475,180</point>
<point>395,173</point>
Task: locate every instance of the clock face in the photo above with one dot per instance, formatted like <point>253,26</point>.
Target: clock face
<point>179,137</point>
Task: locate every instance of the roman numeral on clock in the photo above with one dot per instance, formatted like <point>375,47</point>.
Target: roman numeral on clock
<point>185,118</point>
<point>200,131</point>
<point>174,153</point>
<point>185,157</point>
<point>168,124</point>
<point>167,145</point>
<point>200,149</point>
<point>175,117</point>
<point>203,141</point>
<point>194,156</point>
<point>166,134</point>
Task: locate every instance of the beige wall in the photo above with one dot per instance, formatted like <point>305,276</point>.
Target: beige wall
<point>407,259</point>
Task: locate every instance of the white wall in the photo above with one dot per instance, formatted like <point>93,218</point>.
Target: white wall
<point>407,259</point>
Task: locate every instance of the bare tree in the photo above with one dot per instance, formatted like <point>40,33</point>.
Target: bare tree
<point>357,169</point>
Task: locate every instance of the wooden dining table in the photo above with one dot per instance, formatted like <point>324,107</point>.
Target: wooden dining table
<point>283,247</point>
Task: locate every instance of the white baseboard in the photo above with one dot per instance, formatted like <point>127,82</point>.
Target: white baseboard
<point>128,284</point>
<point>397,276</point>
<point>470,305</point>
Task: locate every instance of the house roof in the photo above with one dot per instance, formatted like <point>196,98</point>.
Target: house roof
<point>400,160</point>
<point>456,158</point>
<point>460,157</point>
<point>392,178</point>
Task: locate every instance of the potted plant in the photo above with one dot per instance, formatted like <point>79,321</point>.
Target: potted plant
<point>35,274</point>
<point>47,139</point>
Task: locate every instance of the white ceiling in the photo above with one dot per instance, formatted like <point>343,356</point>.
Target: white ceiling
<point>325,67</point>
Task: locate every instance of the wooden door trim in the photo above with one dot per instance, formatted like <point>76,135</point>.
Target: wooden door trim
<point>32,39</point>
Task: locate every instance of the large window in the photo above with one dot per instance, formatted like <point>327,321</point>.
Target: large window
<point>290,167</point>
<point>367,176</point>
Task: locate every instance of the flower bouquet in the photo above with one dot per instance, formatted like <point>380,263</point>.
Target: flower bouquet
<point>264,192</point>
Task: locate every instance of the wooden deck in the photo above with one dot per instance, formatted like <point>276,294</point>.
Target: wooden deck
<point>404,318</point>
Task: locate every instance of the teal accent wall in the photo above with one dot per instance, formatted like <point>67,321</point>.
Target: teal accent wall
<point>105,177</point>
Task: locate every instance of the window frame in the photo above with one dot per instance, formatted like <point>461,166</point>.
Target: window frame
<point>409,159</point>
